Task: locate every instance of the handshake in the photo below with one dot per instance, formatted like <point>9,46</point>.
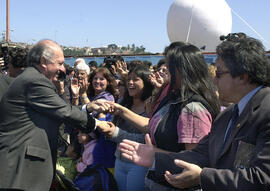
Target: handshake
<point>104,106</point>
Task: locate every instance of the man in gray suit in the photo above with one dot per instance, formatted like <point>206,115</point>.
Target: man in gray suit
<point>5,80</point>
<point>31,113</point>
<point>235,155</point>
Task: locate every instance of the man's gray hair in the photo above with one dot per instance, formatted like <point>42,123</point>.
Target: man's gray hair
<point>47,50</point>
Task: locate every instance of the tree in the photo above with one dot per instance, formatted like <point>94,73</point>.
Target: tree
<point>133,47</point>
<point>112,46</point>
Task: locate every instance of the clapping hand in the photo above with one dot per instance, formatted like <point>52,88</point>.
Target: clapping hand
<point>84,84</point>
<point>121,67</point>
<point>141,154</point>
<point>2,64</point>
<point>75,88</point>
<point>154,81</point>
<point>188,178</point>
<point>60,86</point>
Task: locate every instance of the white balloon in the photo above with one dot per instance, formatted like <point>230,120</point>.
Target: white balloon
<point>199,22</point>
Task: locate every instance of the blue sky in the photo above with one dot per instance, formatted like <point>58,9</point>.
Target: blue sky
<point>97,23</point>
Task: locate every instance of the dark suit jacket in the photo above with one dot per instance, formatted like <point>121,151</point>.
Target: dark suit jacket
<point>4,83</point>
<point>243,163</point>
<point>31,113</point>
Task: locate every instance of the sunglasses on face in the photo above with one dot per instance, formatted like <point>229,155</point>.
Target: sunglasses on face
<point>220,73</point>
<point>120,84</point>
<point>163,70</point>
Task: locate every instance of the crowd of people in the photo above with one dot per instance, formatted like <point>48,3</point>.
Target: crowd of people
<point>179,125</point>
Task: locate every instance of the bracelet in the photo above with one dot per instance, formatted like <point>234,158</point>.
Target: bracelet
<point>84,97</point>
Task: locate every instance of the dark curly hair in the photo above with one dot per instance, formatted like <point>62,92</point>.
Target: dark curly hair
<point>245,55</point>
<point>17,56</point>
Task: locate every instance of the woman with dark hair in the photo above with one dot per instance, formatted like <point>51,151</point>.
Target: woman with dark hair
<point>185,114</point>
<point>160,79</point>
<point>128,175</point>
<point>102,86</point>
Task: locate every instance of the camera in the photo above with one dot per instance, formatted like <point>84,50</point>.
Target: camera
<point>61,76</point>
<point>4,54</point>
<point>110,60</point>
<point>110,63</point>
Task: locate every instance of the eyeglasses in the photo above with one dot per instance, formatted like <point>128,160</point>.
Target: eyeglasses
<point>220,73</point>
<point>120,84</point>
<point>163,70</point>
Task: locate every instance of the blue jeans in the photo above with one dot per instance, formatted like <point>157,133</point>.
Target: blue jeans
<point>129,176</point>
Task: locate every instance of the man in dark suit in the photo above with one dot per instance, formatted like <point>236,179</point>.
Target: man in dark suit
<point>236,153</point>
<point>31,113</point>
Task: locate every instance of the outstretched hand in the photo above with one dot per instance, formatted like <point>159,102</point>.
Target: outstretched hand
<point>108,131</point>
<point>190,176</point>
<point>113,108</point>
<point>104,126</point>
<point>141,154</point>
<point>117,109</point>
<point>100,106</point>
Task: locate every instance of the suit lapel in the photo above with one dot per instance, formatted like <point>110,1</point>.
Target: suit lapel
<point>251,106</point>
<point>220,132</point>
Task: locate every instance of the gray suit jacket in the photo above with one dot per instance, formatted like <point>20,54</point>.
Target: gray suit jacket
<point>31,113</point>
<point>4,83</point>
<point>243,163</point>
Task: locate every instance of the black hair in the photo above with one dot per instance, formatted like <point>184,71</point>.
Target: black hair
<point>245,55</point>
<point>161,62</point>
<point>142,72</point>
<point>69,69</point>
<point>93,63</point>
<point>77,147</point>
<point>147,63</point>
<point>110,61</point>
<point>189,61</point>
<point>17,56</point>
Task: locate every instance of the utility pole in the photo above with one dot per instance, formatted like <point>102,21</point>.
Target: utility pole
<point>7,22</point>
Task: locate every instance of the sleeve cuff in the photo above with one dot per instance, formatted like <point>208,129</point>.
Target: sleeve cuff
<point>153,165</point>
<point>95,124</point>
<point>200,181</point>
<point>116,132</point>
<point>84,108</point>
